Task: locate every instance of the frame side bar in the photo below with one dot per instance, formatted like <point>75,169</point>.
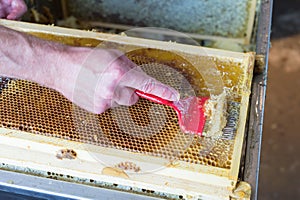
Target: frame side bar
<point>259,84</point>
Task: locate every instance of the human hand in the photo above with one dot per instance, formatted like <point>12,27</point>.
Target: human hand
<point>93,78</point>
<point>12,9</point>
<point>98,79</point>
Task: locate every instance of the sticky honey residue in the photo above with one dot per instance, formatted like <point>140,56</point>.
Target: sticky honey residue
<point>242,191</point>
<point>216,115</point>
<point>112,171</point>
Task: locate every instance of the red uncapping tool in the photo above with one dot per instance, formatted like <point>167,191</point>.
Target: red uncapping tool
<point>190,111</point>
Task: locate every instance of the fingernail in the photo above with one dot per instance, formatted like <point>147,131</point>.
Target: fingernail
<point>175,96</point>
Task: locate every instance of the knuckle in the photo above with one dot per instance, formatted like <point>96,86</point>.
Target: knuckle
<point>148,86</point>
<point>118,72</point>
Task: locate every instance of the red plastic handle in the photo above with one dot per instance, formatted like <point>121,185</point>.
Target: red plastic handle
<point>154,98</point>
<point>189,122</point>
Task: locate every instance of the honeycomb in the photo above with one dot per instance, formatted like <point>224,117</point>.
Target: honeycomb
<point>29,107</point>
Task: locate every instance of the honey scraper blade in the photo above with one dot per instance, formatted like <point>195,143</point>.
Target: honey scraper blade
<point>190,111</point>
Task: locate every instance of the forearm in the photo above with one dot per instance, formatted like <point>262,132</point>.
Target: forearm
<point>27,57</point>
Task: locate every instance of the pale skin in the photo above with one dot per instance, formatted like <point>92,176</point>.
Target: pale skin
<point>93,78</point>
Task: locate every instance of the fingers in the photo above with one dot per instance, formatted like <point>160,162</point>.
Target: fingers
<point>14,15</point>
<point>122,73</point>
<point>137,79</point>
<point>18,8</point>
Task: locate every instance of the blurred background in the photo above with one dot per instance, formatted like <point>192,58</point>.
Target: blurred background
<point>280,163</point>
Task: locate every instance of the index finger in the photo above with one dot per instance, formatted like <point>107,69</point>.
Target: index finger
<point>139,80</point>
